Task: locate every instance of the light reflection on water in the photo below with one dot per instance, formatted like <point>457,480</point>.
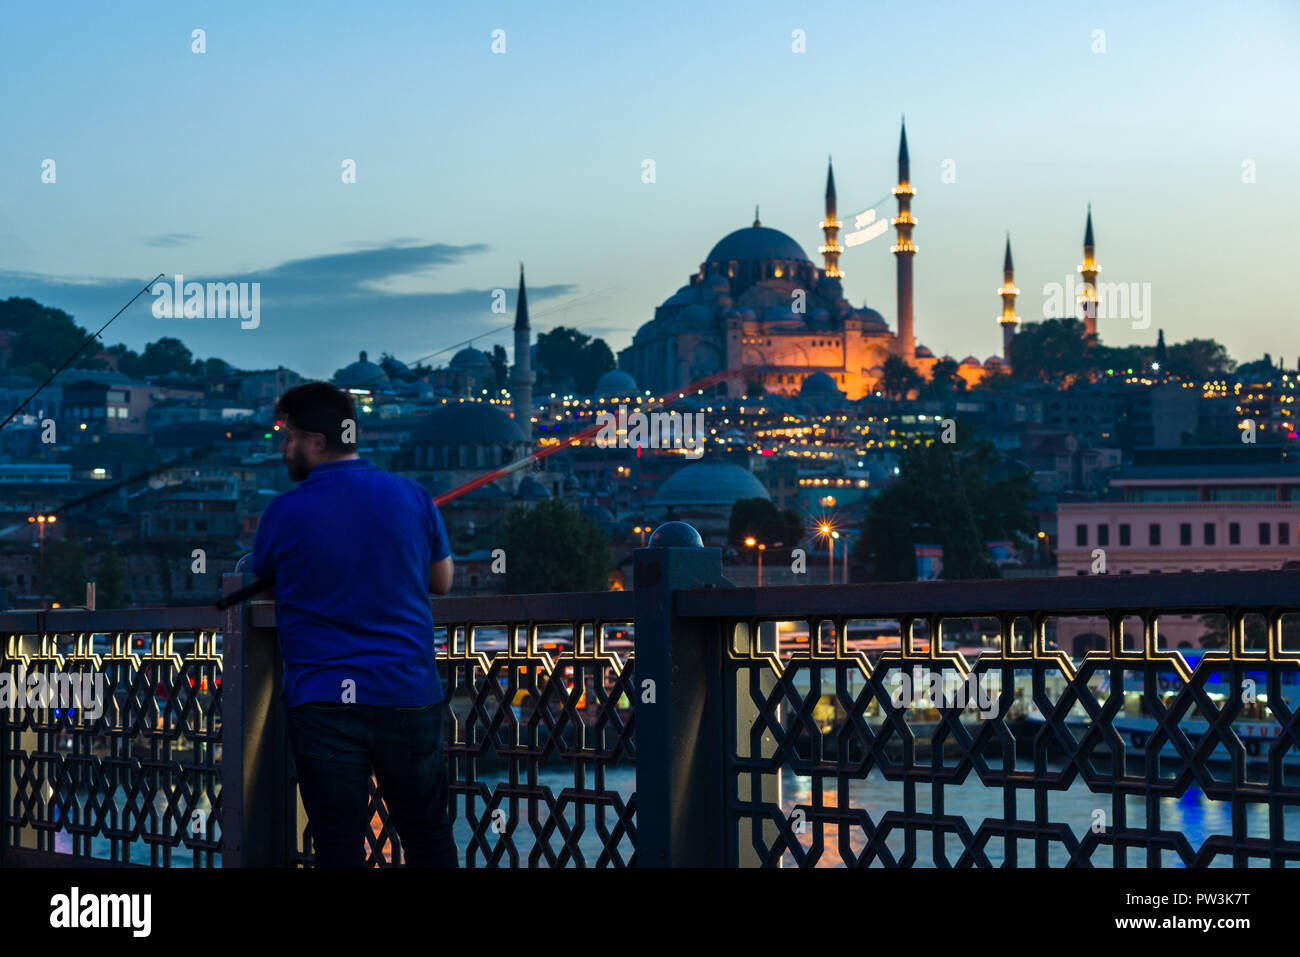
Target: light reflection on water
<point>1192,815</point>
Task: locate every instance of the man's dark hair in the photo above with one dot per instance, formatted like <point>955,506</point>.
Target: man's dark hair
<point>320,407</point>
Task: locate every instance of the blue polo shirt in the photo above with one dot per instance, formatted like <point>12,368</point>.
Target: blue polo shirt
<point>350,548</point>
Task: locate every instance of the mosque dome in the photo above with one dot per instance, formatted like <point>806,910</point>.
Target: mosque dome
<point>923,352</point>
<point>467,423</point>
<point>819,383</point>
<point>696,313</point>
<point>872,320</point>
<point>362,373</point>
<point>470,358</point>
<point>755,244</point>
<point>615,382</point>
<point>709,483</point>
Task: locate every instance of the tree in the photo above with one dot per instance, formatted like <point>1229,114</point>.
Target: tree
<point>500,370</point>
<point>944,381</point>
<point>958,499</point>
<point>898,379</point>
<point>760,519</point>
<point>1199,360</point>
<point>165,356</point>
<point>44,338</point>
<point>1054,352</point>
<point>550,547</point>
<point>571,360</point>
<point>1216,632</point>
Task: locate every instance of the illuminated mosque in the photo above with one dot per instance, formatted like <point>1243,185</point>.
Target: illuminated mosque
<point>759,306</point>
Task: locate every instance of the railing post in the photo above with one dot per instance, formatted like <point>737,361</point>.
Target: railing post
<point>253,766</point>
<point>680,777</point>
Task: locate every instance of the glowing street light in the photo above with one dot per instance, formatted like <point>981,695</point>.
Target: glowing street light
<point>40,521</point>
<point>641,530</point>
<point>761,548</point>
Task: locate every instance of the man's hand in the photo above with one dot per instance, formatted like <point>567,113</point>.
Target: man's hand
<point>440,576</point>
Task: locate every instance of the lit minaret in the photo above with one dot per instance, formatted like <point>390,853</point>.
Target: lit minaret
<point>831,227</point>
<point>521,377</point>
<point>1088,270</point>
<point>1009,320</point>
<point>904,250</point>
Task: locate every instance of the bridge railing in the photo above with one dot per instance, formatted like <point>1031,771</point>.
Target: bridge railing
<point>767,726</point>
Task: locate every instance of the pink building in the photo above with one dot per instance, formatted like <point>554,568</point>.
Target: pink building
<point>1182,517</point>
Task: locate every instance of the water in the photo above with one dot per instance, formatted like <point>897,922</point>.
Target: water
<point>1193,815</point>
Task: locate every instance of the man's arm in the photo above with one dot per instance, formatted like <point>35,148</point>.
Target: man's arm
<point>440,576</point>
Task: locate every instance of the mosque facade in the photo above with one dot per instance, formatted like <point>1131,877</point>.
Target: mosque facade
<point>759,308</point>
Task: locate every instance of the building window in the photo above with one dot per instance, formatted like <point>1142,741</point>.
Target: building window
<point>1103,535</point>
<point>1153,533</point>
<point>1234,533</point>
<point>1124,534</point>
<point>1265,533</point>
<point>1185,533</point>
<point>1209,533</point>
<point>1283,533</point>
<point>1081,535</point>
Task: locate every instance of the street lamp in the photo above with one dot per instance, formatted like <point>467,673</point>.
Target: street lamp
<point>41,521</point>
<point>641,530</point>
<point>761,548</point>
<point>831,534</point>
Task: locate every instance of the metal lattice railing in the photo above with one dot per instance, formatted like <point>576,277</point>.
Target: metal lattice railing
<point>762,727</point>
<point>1112,756</point>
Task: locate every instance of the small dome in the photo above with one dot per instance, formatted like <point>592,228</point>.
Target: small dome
<point>971,361</point>
<point>361,373</point>
<point>615,382</point>
<point>828,287</point>
<point>779,313</point>
<point>467,423</point>
<point>685,296</point>
<point>819,383</point>
<point>717,282</point>
<point>470,358</point>
<point>531,488</point>
<point>995,362</point>
<point>874,321</point>
<point>756,244</point>
<point>923,352</point>
<point>709,483</point>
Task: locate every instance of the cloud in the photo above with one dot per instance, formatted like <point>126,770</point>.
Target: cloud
<point>171,239</point>
<point>317,312</point>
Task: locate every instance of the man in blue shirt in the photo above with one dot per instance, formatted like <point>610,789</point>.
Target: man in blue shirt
<point>354,552</point>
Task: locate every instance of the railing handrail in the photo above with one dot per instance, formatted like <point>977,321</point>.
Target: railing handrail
<point>496,609</point>
<point>1105,594</point>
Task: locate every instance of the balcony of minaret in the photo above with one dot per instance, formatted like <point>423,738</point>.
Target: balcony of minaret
<point>904,189</point>
<point>830,224</point>
<point>1008,290</point>
<point>905,217</point>
<point>905,246</point>
<point>1089,267</point>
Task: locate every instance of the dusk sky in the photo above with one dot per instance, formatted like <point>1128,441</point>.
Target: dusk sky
<point>226,165</point>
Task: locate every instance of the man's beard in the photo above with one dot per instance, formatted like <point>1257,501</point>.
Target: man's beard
<point>297,468</point>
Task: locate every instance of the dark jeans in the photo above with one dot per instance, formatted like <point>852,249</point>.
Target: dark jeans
<point>335,746</point>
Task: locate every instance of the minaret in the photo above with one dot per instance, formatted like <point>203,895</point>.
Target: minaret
<point>1088,270</point>
<point>521,376</point>
<point>831,249</point>
<point>904,250</point>
<point>1009,320</point>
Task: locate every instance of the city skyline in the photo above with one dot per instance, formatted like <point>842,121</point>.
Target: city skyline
<point>405,260</point>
